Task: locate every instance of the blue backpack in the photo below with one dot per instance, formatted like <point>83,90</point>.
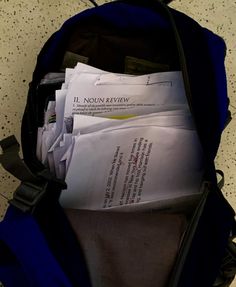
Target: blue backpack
<point>38,246</point>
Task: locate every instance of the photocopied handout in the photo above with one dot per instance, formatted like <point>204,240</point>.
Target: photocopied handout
<point>121,142</point>
<point>131,166</point>
<point>92,94</point>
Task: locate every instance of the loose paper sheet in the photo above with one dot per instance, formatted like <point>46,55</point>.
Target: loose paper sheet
<point>132,165</point>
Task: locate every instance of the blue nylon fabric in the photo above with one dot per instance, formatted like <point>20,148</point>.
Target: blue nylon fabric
<point>202,82</point>
<point>122,16</point>
<point>217,50</point>
<point>12,275</point>
<point>37,266</point>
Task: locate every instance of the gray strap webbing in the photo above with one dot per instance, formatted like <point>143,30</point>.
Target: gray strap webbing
<point>12,162</point>
<point>221,182</point>
<point>33,186</point>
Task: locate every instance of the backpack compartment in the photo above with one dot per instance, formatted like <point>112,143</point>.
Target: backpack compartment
<point>113,38</point>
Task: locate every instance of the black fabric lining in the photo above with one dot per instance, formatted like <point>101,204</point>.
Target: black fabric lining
<point>107,49</point>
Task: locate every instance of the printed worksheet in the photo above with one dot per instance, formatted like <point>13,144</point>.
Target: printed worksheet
<point>92,94</point>
<point>132,165</point>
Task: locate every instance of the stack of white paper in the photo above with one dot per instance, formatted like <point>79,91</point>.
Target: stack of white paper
<point>121,141</point>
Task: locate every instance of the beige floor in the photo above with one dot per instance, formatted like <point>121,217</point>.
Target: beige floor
<point>26,24</point>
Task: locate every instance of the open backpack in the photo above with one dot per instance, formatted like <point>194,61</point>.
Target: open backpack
<point>184,241</point>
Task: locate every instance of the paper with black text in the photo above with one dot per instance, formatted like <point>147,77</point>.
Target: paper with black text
<point>131,166</point>
<point>91,94</point>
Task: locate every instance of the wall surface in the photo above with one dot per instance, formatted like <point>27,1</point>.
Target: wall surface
<point>25,25</point>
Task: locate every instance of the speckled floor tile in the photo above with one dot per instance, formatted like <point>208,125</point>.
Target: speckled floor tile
<point>25,26</point>
<point>226,160</point>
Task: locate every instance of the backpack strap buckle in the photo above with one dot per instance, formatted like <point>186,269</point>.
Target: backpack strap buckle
<point>27,195</point>
<point>33,186</point>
